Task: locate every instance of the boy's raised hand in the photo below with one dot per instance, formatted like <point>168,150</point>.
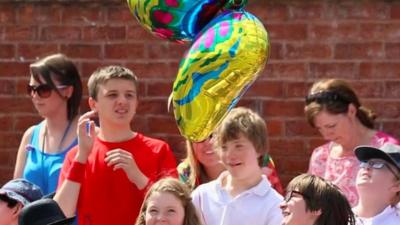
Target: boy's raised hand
<point>122,159</point>
<point>86,136</point>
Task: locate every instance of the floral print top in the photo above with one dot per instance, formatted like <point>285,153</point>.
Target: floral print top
<point>342,171</point>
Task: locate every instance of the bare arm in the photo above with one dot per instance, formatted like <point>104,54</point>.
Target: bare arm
<point>68,192</point>
<point>21,155</point>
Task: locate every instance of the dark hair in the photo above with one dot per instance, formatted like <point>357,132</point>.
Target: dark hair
<point>11,203</point>
<point>320,194</point>
<point>335,96</point>
<point>62,69</point>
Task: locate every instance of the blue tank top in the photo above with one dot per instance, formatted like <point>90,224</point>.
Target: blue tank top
<point>42,168</point>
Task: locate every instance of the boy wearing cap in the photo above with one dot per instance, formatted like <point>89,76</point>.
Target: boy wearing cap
<point>378,185</point>
<point>14,195</point>
<point>104,179</point>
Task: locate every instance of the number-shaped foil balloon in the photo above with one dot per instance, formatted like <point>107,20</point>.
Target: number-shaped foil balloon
<point>224,60</point>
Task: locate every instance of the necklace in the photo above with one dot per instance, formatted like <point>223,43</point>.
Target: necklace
<point>45,176</point>
<point>62,139</point>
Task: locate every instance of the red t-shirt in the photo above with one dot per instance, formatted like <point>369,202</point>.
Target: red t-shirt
<point>108,197</point>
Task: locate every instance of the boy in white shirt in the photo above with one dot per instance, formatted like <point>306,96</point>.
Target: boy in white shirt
<point>378,185</point>
<point>242,194</point>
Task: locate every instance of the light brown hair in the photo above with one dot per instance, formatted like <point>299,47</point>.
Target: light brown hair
<point>335,96</point>
<point>197,173</point>
<point>180,191</point>
<point>244,121</point>
<point>104,74</point>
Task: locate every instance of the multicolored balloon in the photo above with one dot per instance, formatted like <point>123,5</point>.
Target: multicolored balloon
<point>220,66</point>
<point>175,20</point>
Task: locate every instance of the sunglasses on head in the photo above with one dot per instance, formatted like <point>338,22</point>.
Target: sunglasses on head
<point>42,90</point>
<point>325,97</point>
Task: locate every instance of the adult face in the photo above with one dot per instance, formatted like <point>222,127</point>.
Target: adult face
<point>205,154</point>
<point>334,127</point>
<point>45,99</point>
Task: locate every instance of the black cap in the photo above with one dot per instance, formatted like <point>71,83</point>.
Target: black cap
<point>388,152</point>
<point>43,212</point>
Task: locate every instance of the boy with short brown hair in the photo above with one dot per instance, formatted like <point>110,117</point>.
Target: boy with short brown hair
<point>242,194</point>
<point>105,177</point>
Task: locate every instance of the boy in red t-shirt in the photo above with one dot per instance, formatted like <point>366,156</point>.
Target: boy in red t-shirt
<point>105,177</point>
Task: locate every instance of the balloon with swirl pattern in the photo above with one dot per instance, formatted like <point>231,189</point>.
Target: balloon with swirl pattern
<point>222,63</point>
<point>176,20</point>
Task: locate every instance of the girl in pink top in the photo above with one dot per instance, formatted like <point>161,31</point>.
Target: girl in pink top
<point>335,110</point>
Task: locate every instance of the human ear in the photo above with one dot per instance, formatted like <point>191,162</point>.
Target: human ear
<point>17,210</point>
<point>92,104</point>
<point>69,91</point>
<point>396,186</point>
<point>317,213</point>
<point>352,110</point>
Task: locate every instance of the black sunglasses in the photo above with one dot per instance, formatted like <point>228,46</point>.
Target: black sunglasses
<point>42,90</point>
<point>325,97</point>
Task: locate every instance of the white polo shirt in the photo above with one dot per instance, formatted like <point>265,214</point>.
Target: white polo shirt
<point>389,216</point>
<point>257,206</point>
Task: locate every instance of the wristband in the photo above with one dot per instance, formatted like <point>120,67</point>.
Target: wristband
<point>76,172</point>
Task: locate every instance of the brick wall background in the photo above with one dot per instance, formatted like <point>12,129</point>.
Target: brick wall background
<point>355,40</point>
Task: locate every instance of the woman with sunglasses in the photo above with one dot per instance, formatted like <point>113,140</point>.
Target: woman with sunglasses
<point>378,184</point>
<point>333,108</point>
<point>310,200</point>
<point>202,165</point>
<point>56,91</point>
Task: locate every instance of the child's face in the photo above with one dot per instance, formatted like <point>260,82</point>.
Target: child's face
<point>164,208</point>
<point>294,210</point>
<point>7,215</point>
<point>240,157</point>
<point>116,102</point>
<point>370,179</point>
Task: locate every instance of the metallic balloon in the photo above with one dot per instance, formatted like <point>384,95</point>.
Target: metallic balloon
<point>175,20</point>
<point>224,60</point>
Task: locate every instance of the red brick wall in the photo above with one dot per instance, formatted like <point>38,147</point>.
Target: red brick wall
<point>354,40</point>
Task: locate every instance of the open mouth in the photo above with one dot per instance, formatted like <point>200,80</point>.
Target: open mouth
<point>121,111</point>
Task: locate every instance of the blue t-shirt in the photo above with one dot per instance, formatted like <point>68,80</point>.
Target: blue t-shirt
<point>43,168</point>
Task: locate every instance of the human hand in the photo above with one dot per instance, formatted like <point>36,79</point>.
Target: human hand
<point>122,159</point>
<point>86,135</point>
